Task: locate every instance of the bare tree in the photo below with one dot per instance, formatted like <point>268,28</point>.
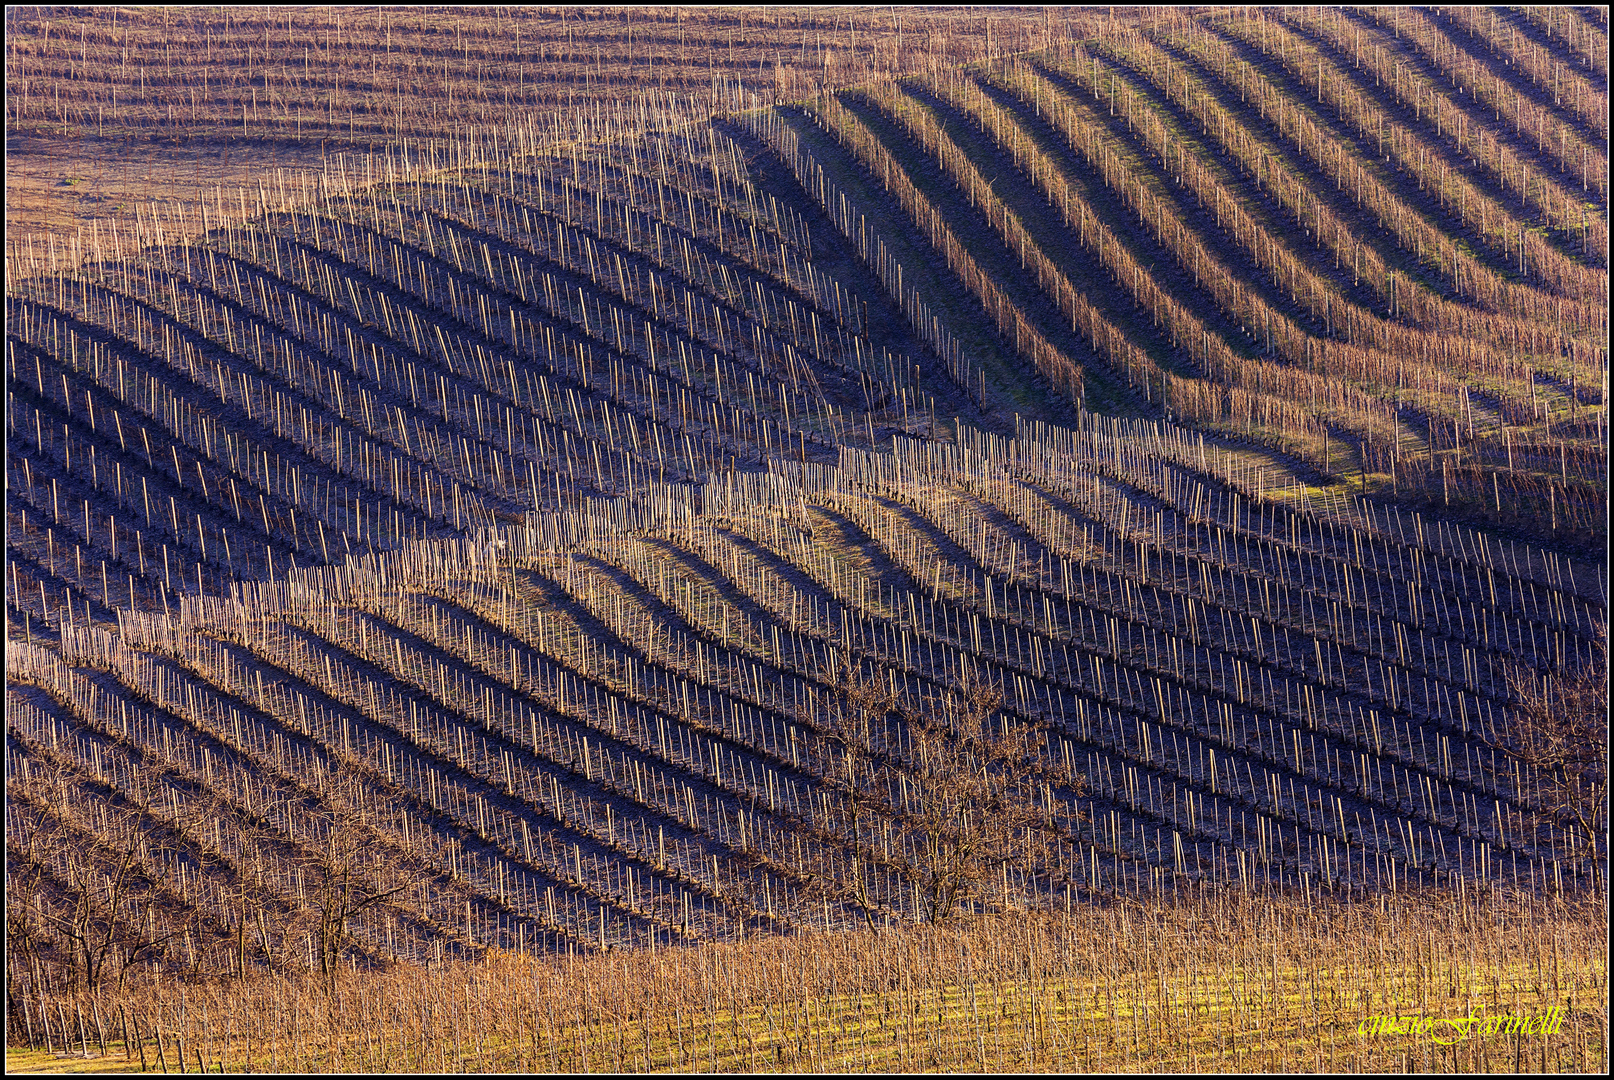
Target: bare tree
<point>1558,726</point>
<point>28,946</point>
<point>855,728</point>
<point>983,806</point>
<point>80,893</point>
<point>349,880</point>
<point>962,792</point>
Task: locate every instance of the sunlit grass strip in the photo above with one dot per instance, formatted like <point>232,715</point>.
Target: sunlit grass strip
<point>1291,1017</point>
<point>1213,983</point>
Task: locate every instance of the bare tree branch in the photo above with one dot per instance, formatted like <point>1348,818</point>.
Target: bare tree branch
<point>1558,726</point>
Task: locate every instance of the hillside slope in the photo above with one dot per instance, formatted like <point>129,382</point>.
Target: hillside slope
<point>1174,455</point>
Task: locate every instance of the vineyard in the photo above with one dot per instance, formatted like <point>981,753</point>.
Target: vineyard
<point>291,74</point>
<point>1167,456</point>
<point>106,111</point>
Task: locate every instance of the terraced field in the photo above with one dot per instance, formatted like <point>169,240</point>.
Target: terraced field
<point>645,541</point>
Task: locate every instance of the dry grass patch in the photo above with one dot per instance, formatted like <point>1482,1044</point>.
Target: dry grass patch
<point>1212,982</point>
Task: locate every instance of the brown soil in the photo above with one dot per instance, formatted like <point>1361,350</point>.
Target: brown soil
<point>60,186</point>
